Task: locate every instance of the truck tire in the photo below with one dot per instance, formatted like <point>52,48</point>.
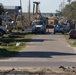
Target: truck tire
<point>54,32</point>
<point>62,32</point>
<point>1,32</point>
<point>43,32</point>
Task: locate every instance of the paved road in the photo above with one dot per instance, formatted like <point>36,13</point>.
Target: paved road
<point>46,50</point>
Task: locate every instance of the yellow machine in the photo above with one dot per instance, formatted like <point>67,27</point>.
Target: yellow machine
<point>52,22</point>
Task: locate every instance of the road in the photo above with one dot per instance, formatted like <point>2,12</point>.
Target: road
<point>46,50</point>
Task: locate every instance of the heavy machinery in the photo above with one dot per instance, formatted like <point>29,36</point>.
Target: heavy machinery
<point>36,11</point>
<point>52,22</point>
<point>39,22</point>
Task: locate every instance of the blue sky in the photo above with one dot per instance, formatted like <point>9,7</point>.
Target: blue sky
<point>45,5</point>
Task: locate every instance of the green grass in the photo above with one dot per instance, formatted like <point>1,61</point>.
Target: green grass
<point>70,41</point>
<point>8,51</point>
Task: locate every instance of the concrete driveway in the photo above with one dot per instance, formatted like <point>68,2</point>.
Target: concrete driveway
<point>53,46</point>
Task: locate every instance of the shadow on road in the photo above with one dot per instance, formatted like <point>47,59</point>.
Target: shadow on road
<point>34,40</point>
<point>6,53</point>
<point>41,40</point>
<point>43,54</point>
<point>32,54</point>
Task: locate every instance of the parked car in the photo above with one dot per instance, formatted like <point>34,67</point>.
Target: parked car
<point>72,34</point>
<point>3,30</point>
<point>38,26</point>
<point>58,29</point>
<point>66,27</point>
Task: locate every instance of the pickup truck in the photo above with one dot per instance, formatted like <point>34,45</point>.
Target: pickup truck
<point>38,26</point>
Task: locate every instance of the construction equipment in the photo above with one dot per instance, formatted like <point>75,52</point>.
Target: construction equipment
<point>37,8</point>
<point>39,22</point>
<point>36,11</point>
<point>52,22</point>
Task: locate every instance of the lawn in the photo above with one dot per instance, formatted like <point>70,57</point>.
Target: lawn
<point>8,43</point>
<point>70,41</point>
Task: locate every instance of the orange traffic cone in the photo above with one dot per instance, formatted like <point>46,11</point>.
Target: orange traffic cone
<point>48,30</point>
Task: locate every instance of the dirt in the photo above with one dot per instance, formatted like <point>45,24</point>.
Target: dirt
<point>40,71</point>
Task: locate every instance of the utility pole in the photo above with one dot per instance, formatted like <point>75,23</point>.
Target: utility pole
<point>21,12</point>
<point>29,13</point>
<point>61,6</point>
<point>1,11</point>
<point>63,3</point>
<point>21,6</point>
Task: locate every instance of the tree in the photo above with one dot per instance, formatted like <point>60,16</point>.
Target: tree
<point>59,13</point>
<point>69,1</point>
<point>70,11</point>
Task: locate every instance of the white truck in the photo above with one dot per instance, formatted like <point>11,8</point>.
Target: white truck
<point>38,26</point>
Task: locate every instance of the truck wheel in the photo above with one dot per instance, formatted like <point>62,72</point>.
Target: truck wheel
<point>54,32</point>
<point>43,32</point>
<point>1,33</point>
<point>62,32</point>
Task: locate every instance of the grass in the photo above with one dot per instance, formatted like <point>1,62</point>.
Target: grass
<point>13,39</point>
<point>70,41</point>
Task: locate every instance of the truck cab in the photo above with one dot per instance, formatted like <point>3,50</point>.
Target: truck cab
<point>38,26</point>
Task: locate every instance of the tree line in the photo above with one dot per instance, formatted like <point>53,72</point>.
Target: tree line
<point>69,11</point>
